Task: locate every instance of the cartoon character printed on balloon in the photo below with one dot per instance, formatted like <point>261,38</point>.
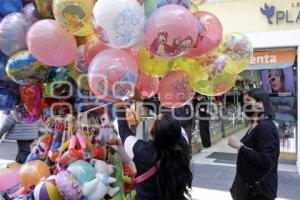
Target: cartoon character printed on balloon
<point>180,87</point>
<point>237,50</point>
<point>100,32</point>
<point>161,48</point>
<point>200,36</point>
<point>217,70</point>
<point>74,16</point>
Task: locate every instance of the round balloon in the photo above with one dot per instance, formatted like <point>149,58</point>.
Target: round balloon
<point>74,15</point>
<point>25,2</point>
<point>170,31</point>
<point>10,6</point>
<point>51,44</point>
<point>68,186</point>
<point>174,90</point>
<point>152,65</point>
<point>147,85</point>
<point>186,64</point>
<point>85,54</point>
<point>118,23</point>
<point>44,8</point>
<point>151,6</point>
<point>9,177</point>
<point>82,171</point>
<point>113,73</point>
<point>214,75</point>
<point>209,36</point>
<point>32,172</point>
<point>13,30</point>
<point>47,189</point>
<point>31,97</point>
<point>30,13</point>
<point>24,69</point>
<point>239,48</point>
<point>3,61</point>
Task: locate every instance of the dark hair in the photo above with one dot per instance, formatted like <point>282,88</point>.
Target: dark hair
<point>282,79</point>
<point>175,174</point>
<point>261,95</point>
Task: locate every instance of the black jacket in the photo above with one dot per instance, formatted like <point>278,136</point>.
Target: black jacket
<point>258,155</point>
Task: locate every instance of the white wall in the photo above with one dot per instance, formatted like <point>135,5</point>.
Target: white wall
<point>275,39</point>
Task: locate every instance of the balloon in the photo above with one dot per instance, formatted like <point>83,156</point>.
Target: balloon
<point>186,64</point>
<point>113,73</point>
<point>68,186</point>
<point>24,69</point>
<point>151,5</point>
<point>74,15</point>
<point>147,85</point>
<point>118,23</point>
<point>25,2</point>
<point>194,8</point>
<point>214,75</point>
<point>9,177</point>
<point>31,97</point>
<point>209,36</point>
<point>30,13</point>
<point>51,44</point>
<point>239,48</point>
<point>152,65</point>
<point>10,6</point>
<point>80,78</point>
<point>32,172</point>
<point>170,31</point>
<point>8,95</point>
<point>85,54</point>
<point>47,190</point>
<point>44,8</point>
<point>174,90</point>
<point>13,30</point>
<point>3,60</point>
<point>82,171</point>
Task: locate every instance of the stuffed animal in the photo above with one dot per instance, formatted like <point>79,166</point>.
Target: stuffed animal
<point>99,187</point>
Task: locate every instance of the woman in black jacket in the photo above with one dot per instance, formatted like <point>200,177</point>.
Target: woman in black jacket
<point>258,150</point>
<point>167,152</point>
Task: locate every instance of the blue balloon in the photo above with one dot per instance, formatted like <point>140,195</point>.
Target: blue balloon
<point>151,5</point>
<point>10,6</point>
<point>3,61</point>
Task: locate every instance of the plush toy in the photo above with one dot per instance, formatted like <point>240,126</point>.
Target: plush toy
<point>98,187</point>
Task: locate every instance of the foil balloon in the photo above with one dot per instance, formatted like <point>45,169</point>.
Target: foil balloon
<point>147,85</point>
<point>151,6</point>
<point>152,65</point>
<point>215,75</point>
<point>47,189</point>
<point>31,97</point>
<point>51,44</point>
<point>30,13</point>
<point>3,60</point>
<point>44,8</point>
<point>209,36</point>
<point>82,171</point>
<point>113,73</point>
<point>174,90</point>
<point>80,78</point>
<point>239,48</point>
<point>24,69</point>
<point>10,6</point>
<point>118,23</point>
<point>74,15</point>
<point>32,172</point>
<point>68,186</point>
<point>170,31</point>
<point>13,30</point>
<point>9,93</point>
<point>85,54</point>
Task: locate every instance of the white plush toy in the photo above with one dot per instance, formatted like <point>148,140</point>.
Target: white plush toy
<point>97,188</point>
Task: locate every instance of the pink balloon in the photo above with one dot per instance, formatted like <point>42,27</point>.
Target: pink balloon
<point>170,31</point>
<point>174,90</point>
<point>9,178</point>
<point>113,73</point>
<point>86,53</point>
<point>147,85</point>
<point>210,34</point>
<point>51,44</point>
<point>13,30</point>
<point>30,13</point>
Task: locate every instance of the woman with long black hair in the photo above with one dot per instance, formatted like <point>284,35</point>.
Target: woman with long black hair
<point>163,162</point>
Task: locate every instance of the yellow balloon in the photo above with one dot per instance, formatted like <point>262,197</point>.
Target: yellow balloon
<point>239,48</point>
<point>214,75</point>
<point>186,64</point>
<point>74,15</point>
<point>79,77</point>
<point>152,65</point>
<point>194,8</point>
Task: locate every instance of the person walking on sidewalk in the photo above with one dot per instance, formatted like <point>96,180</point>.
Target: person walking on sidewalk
<point>163,162</point>
<point>258,151</point>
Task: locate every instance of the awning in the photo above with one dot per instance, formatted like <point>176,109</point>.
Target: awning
<point>272,59</point>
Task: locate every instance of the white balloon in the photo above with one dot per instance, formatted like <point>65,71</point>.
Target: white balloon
<point>118,23</point>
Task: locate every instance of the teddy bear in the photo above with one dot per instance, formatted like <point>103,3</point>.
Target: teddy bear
<point>99,187</point>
